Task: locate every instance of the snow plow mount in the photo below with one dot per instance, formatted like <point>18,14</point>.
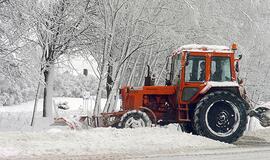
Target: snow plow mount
<point>107,119</point>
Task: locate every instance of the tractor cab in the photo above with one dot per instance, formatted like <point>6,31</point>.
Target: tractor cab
<point>197,68</point>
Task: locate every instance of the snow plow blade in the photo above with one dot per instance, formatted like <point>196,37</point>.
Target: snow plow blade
<point>262,114</point>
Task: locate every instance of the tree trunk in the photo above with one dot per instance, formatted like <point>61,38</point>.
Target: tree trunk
<point>35,105</point>
<point>98,97</point>
<point>97,108</point>
<point>113,97</point>
<point>109,79</point>
<point>109,106</point>
<point>129,83</point>
<point>48,91</point>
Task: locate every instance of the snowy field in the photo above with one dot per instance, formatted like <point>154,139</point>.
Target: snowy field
<point>20,141</point>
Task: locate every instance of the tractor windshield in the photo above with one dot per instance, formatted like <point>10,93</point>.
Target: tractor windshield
<point>220,69</point>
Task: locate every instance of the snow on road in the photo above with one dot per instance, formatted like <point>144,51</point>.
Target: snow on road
<point>98,141</point>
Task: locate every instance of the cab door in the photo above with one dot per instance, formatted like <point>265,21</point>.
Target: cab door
<point>194,71</point>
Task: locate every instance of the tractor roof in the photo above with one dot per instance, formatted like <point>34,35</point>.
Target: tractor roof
<point>204,48</point>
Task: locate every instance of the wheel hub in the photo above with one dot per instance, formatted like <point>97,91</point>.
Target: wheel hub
<point>134,123</point>
<point>222,118</point>
<point>223,121</point>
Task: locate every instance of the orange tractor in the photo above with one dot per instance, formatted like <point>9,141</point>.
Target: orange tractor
<point>201,94</point>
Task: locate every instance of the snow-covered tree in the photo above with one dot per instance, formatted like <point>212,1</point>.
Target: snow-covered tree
<point>55,26</point>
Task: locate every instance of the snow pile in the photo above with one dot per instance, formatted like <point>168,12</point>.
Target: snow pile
<point>100,141</point>
<point>51,140</point>
<point>253,125</point>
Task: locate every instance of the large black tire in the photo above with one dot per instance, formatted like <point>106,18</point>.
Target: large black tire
<point>221,115</point>
<point>135,119</point>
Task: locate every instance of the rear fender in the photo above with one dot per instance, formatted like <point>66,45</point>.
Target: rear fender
<point>231,86</point>
<point>214,86</point>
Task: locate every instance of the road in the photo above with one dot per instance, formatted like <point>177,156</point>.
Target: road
<point>260,153</point>
<point>238,153</point>
<point>247,148</point>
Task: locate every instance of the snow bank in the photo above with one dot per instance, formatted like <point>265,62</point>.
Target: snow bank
<point>100,141</point>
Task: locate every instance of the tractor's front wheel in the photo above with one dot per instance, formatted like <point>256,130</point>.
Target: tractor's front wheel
<point>135,119</point>
<point>220,115</point>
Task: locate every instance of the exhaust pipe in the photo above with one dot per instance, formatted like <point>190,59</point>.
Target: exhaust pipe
<point>148,80</point>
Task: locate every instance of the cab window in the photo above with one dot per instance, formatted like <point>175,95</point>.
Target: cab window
<point>220,69</point>
<point>195,69</point>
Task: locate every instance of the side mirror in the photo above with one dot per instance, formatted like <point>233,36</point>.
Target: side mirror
<point>187,59</point>
<point>240,56</point>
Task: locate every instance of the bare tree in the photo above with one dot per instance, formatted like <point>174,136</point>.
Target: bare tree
<point>129,27</point>
<point>55,26</point>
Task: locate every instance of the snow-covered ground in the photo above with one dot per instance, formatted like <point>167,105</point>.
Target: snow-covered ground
<point>18,117</point>
<point>20,141</point>
<point>102,141</point>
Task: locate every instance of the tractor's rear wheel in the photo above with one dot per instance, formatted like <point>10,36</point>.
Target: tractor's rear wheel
<point>220,115</point>
<point>135,119</point>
